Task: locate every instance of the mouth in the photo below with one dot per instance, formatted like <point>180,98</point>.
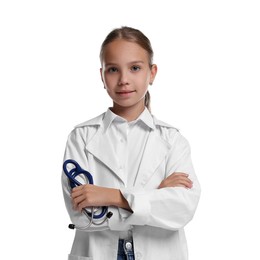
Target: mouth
<point>125,92</point>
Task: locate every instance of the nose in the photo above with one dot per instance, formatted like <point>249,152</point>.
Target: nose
<point>123,79</point>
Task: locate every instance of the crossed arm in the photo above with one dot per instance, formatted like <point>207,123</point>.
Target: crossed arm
<point>91,195</point>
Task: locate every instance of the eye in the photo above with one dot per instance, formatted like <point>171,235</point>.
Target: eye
<point>135,68</point>
<point>112,70</point>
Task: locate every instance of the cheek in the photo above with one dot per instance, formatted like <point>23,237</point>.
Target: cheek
<point>145,80</point>
<point>147,76</point>
<point>110,80</point>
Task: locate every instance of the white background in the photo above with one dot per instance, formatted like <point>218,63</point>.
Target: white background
<point>209,63</point>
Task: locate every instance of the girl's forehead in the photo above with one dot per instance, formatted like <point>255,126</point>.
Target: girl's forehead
<point>119,49</point>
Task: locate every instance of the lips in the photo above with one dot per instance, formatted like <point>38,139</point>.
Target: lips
<point>125,92</point>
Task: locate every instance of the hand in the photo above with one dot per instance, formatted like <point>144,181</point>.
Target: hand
<point>89,196</point>
<point>177,179</point>
<point>95,196</point>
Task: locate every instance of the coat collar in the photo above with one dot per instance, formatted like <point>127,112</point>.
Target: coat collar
<point>145,117</point>
<point>106,118</point>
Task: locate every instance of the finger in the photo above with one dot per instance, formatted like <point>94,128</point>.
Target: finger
<point>76,202</point>
<point>180,185</point>
<point>79,198</point>
<point>176,181</point>
<point>180,177</point>
<point>184,180</point>
<point>177,178</point>
<point>187,184</point>
<point>77,191</point>
<point>77,188</point>
<point>82,205</point>
<point>180,174</point>
<point>75,194</point>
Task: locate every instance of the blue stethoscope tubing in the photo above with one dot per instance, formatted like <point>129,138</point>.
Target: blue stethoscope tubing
<point>72,175</point>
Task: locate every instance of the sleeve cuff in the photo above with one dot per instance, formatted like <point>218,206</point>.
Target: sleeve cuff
<point>139,203</point>
<point>116,222</point>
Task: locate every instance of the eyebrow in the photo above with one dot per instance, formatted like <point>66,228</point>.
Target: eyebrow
<point>132,62</point>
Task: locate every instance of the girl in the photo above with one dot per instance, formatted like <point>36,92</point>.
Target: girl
<point>141,166</point>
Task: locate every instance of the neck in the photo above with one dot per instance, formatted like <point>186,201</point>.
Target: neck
<point>128,113</point>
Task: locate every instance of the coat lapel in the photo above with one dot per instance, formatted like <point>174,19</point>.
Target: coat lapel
<point>102,148</point>
<point>155,151</point>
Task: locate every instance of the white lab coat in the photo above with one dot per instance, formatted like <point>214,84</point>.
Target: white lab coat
<point>159,215</point>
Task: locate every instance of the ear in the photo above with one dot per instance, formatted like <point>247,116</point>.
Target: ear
<point>101,74</point>
<point>153,73</point>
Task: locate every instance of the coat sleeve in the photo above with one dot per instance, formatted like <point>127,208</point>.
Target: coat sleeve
<point>75,150</point>
<point>168,208</point>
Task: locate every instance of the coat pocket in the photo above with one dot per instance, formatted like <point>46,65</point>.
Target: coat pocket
<point>74,257</point>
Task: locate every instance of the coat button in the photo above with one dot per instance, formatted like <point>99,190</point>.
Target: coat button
<point>128,246</point>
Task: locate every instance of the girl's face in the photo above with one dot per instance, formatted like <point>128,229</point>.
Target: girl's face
<point>126,74</point>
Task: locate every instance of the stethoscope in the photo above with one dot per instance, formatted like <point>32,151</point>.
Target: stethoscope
<point>95,215</point>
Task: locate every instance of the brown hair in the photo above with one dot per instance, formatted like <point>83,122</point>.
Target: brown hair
<point>132,35</point>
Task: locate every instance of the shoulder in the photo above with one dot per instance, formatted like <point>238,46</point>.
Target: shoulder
<point>162,124</point>
<point>164,127</point>
<point>85,131</point>
<point>96,121</point>
<point>168,132</point>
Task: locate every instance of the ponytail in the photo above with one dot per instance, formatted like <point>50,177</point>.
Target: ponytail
<point>147,100</point>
